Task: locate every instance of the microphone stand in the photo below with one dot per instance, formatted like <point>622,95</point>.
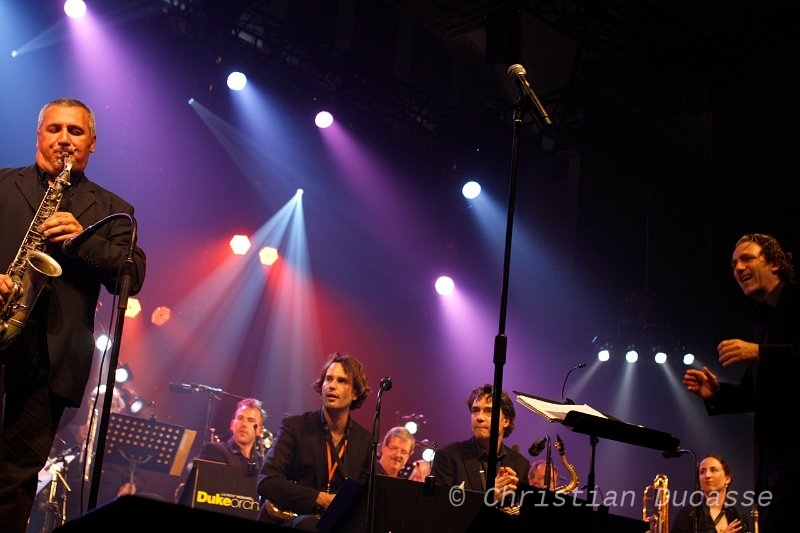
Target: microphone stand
<point>212,396</point>
<point>501,341</point>
<point>102,429</point>
<point>696,521</point>
<point>527,96</point>
<point>376,428</point>
<point>548,464</point>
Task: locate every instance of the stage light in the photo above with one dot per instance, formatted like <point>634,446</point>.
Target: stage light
<point>631,355</point>
<point>134,403</point>
<point>323,119</point>
<point>428,449</point>
<point>240,244</point>
<point>160,315</point>
<point>688,359</point>
<point>660,357</point>
<point>445,285</point>
<point>268,255</point>
<point>471,190</point>
<point>604,353</point>
<point>123,374</point>
<point>134,308</point>
<point>103,342</point>
<point>237,81</point>
<point>75,9</point>
<point>413,422</point>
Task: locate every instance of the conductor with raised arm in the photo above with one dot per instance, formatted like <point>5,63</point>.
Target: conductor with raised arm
<point>768,387</point>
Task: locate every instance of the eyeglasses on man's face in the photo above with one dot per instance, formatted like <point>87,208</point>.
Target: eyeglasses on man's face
<point>397,449</point>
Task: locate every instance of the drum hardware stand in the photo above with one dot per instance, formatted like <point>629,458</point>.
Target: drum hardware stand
<point>55,513</point>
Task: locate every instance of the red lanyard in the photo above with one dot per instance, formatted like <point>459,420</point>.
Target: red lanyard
<point>331,463</point>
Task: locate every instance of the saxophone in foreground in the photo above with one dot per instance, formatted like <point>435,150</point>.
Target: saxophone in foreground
<point>31,269</point>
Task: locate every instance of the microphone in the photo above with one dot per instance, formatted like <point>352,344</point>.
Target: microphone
<point>180,387</point>
<point>518,74</point>
<point>191,387</point>
<point>567,400</point>
<point>537,447</point>
<point>72,246</point>
<point>386,384</point>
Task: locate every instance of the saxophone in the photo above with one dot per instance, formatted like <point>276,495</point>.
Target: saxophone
<point>31,269</point>
<point>658,519</point>
<point>574,477</point>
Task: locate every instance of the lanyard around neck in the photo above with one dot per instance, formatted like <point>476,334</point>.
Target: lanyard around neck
<point>335,454</point>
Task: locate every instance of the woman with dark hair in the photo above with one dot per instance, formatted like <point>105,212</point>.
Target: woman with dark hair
<point>717,512</point>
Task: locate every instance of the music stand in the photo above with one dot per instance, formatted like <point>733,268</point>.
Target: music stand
<point>589,421</point>
<point>148,444</point>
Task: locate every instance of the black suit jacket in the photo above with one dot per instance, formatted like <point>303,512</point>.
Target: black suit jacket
<point>228,452</point>
<point>67,304</point>
<point>769,387</point>
<point>461,462</point>
<point>296,466</point>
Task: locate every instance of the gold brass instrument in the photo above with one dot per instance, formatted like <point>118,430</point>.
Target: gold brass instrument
<point>31,269</point>
<point>276,513</point>
<point>657,517</point>
<point>575,479</point>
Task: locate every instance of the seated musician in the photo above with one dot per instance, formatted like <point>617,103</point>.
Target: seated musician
<point>245,448</point>
<point>396,448</point>
<point>316,451</point>
<point>465,463</point>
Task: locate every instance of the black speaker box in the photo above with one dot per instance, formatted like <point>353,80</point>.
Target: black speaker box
<point>135,514</point>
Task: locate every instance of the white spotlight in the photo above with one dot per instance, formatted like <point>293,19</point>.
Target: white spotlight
<point>323,119</point>
<point>445,285</point>
<point>603,354</point>
<point>471,189</point>
<point>103,342</point>
<point>688,359</point>
<point>75,9</point>
<point>632,356</point>
<point>236,81</point>
<point>661,358</point>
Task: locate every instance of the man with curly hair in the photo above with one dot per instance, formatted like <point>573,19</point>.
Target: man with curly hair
<point>464,463</point>
<point>764,272</point>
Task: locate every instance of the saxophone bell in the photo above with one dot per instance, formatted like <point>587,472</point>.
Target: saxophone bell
<point>41,268</point>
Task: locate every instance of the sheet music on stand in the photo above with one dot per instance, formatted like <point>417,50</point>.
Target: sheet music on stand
<point>148,444</point>
<point>553,411</point>
<point>589,421</point>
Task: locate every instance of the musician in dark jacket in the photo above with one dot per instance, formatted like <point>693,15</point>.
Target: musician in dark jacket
<point>316,451</point>
<point>245,448</point>
<point>465,463</point>
<point>768,386</point>
<point>46,366</point>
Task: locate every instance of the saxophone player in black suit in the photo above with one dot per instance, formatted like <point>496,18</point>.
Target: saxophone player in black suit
<point>47,365</point>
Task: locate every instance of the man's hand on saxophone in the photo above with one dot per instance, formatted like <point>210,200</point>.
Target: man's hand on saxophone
<point>5,287</point>
<point>61,226</point>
